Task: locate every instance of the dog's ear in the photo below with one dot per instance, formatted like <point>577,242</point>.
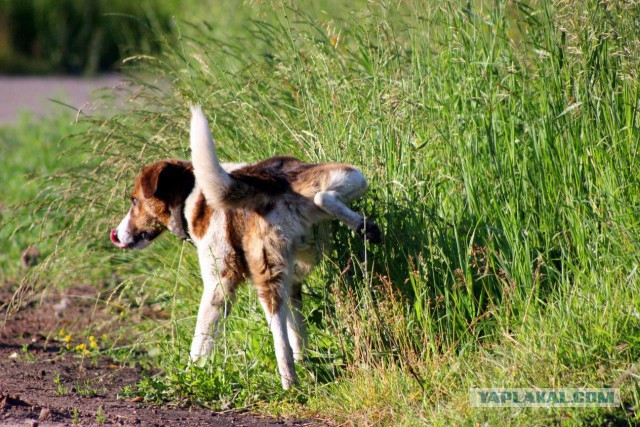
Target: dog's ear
<point>171,181</point>
<point>149,179</point>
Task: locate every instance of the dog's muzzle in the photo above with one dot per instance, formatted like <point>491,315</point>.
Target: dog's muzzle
<point>115,241</point>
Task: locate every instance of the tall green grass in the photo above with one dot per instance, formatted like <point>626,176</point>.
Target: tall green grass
<point>75,36</point>
<point>30,155</point>
<point>501,146</point>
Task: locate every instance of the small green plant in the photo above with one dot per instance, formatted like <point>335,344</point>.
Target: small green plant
<point>127,392</point>
<point>85,389</point>
<point>75,416</point>
<point>27,355</point>
<point>61,389</point>
<point>101,418</point>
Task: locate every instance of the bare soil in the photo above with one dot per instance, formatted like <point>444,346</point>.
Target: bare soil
<point>40,385</point>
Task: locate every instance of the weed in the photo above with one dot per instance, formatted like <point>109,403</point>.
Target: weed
<point>61,389</point>
<point>101,418</point>
<point>127,392</point>
<point>27,355</point>
<point>85,389</point>
<point>75,416</point>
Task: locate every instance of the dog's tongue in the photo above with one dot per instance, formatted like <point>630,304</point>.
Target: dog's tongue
<point>114,239</point>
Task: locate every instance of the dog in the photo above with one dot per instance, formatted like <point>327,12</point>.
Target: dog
<point>250,221</point>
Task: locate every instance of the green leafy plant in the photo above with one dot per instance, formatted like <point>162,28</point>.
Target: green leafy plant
<point>61,389</point>
<point>85,389</point>
<point>101,418</point>
<point>75,416</point>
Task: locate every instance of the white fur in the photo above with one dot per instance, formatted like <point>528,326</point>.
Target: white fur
<point>216,296</point>
<point>122,231</point>
<point>213,179</point>
<point>343,187</point>
<point>329,201</point>
<point>230,167</point>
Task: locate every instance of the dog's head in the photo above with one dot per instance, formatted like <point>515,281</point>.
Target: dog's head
<point>157,200</point>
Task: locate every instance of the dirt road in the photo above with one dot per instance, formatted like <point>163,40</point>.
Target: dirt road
<point>35,94</point>
<point>43,384</point>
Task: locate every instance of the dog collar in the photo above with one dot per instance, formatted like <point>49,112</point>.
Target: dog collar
<point>178,224</point>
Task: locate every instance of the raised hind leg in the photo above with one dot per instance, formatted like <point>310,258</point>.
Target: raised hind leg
<point>343,186</point>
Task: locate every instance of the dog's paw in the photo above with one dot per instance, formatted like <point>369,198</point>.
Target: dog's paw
<point>201,347</point>
<point>370,231</point>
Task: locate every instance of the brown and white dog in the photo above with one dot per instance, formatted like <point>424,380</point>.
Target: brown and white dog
<point>247,221</point>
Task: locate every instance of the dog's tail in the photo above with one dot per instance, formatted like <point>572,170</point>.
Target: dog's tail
<point>244,188</point>
<point>214,181</point>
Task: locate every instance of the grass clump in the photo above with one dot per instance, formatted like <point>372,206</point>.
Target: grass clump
<point>500,142</point>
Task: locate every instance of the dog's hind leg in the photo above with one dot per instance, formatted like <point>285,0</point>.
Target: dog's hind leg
<point>271,269</point>
<point>217,298</point>
<point>304,261</point>
<point>331,203</point>
<point>344,185</point>
<point>277,311</point>
<point>274,298</point>
<point>296,328</point>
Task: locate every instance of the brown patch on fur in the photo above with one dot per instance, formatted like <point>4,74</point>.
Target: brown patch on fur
<point>201,219</point>
<point>308,180</point>
<point>267,177</point>
<point>159,187</point>
<point>148,215</point>
<point>235,261</point>
<point>269,292</point>
<point>255,186</point>
<point>168,180</point>
<point>264,249</point>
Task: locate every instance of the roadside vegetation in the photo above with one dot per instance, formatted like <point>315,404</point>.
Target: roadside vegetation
<point>32,152</point>
<point>77,36</point>
<point>501,143</point>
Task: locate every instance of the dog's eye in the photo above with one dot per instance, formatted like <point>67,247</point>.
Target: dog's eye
<point>144,235</point>
<point>134,201</point>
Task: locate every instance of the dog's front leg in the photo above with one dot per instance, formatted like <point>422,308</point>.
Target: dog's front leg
<point>217,297</point>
